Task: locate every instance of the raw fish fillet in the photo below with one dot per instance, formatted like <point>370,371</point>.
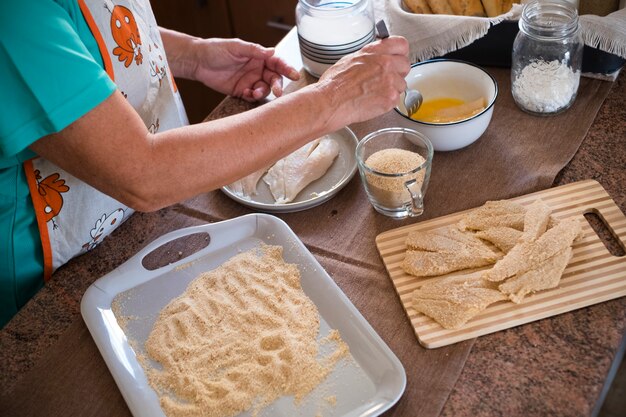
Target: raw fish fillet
<point>246,186</point>
<point>294,172</point>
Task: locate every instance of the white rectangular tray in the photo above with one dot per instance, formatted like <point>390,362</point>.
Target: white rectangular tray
<point>367,386</point>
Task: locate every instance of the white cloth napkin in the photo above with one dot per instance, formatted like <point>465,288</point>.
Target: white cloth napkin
<point>606,33</point>
<point>430,36</point>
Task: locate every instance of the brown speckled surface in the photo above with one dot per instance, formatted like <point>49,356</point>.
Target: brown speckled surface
<point>555,366</point>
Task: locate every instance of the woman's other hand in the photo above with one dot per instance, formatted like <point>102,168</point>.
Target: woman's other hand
<point>241,69</point>
<point>230,66</point>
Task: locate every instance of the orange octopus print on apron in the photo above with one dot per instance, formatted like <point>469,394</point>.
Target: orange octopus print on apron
<point>72,216</point>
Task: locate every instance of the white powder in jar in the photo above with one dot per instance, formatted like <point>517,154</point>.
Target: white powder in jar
<point>545,86</point>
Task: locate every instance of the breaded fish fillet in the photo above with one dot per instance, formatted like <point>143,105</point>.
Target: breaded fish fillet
<point>501,213</point>
<point>546,275</point>
<point>446,239</point>
<point>536,220</point>
<point>427,264</point>
<point>445,250</point>
<point>504,238</point>
<point>453,301</point>
<point>529,255</point>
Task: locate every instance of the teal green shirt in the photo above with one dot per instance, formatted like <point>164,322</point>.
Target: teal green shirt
<point>52,74</point>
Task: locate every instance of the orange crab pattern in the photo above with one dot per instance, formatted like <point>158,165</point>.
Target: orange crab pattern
<point>50,190</point>
<point>126,35</point>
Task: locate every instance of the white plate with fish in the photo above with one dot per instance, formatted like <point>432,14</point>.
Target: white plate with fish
<point>366,385</point>
<point>341,171</point>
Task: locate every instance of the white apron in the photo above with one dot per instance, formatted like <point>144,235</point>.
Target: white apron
<point>72,216</point>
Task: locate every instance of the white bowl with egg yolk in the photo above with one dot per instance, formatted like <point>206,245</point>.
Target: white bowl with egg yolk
<point>446,84</point>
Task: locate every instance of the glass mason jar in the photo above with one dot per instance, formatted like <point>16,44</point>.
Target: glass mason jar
<point>327,31</point>
<point>547,57</point>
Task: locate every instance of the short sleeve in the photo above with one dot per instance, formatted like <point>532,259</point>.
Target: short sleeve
<point>49,78</point>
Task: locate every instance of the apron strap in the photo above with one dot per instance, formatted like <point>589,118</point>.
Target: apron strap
<point>39,204</point>
<point>95,31</point>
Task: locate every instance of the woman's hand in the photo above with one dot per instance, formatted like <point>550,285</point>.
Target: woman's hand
<point>367,83</point>
<point>230,66</point>
<point>241,69</point>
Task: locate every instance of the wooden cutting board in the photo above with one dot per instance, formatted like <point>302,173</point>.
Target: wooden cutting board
<point>593,275</point>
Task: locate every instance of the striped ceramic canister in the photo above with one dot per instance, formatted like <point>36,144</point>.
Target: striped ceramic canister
<point>329,30</point>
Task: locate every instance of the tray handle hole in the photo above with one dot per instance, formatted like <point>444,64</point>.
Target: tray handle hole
<point>605,232</point>
<point>175,250</point>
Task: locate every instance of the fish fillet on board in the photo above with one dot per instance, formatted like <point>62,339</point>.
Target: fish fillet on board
<point>529,255</point>
<point>546,275</point>
<point>504,238</point>
<point>536,220</point>
<point>452,301</point>
<point>428,264</point>
<point>291,174</point>
<point>445,250</point>
<point>447,239</point>
<point>501,213</point>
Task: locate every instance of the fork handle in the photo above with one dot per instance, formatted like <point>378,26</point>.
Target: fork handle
<point>381,28</point>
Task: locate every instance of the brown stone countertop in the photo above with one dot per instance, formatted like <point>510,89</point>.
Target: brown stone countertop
<point>496,379</point>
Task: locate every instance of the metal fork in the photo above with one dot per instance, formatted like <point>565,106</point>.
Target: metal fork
<point>412,98</point>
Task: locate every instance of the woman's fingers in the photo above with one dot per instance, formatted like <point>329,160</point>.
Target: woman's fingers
<point>252,50</point>
<point>269,60</point>
<point>281,67</point>
<point>261,90</point>
<point>274,81</point>
<point>257,92</point>
<point>393,45</point>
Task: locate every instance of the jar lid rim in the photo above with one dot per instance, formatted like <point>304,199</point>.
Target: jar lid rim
<point>327,7</point>
<point>552,19</point>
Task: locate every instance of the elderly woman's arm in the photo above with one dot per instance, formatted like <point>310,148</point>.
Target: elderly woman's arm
<point>111,149</point>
